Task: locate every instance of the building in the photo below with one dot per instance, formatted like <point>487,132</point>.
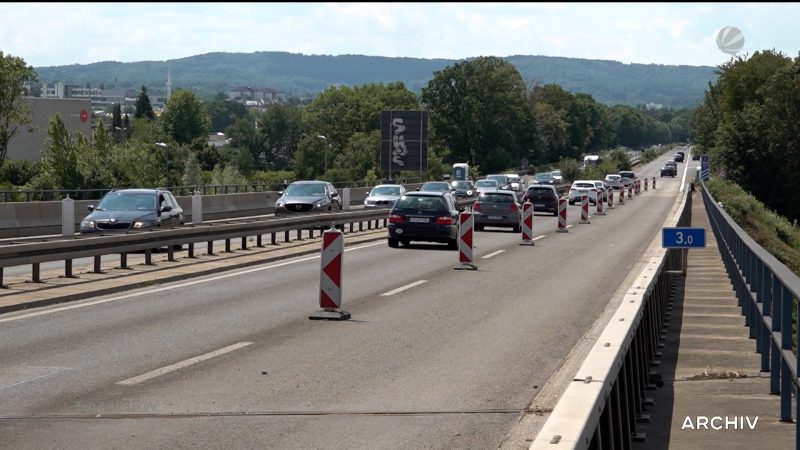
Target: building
<point>260,98</point>
<point>76,114</point>
<point>102,99</point>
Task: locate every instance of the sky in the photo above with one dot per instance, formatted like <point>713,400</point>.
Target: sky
<point>55,34</point>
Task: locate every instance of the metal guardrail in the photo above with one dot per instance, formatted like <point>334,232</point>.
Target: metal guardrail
<point>605,401</point>
<point>767,291</point>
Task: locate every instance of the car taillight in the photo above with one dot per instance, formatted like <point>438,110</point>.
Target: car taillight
<point>476,206</point>
<point>444,220</point>
<point>513,207</point>
<point>394,218</point>
<point>594,189</point>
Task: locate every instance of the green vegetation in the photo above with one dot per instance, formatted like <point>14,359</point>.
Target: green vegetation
<point>749,124</point>
<point>14,113</point>
<point>608,82</point>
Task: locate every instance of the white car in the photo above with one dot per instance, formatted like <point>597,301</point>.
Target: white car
<point>580,188</point>
<point>384,196</point>
<point>614,181</point>
<point>486,186</point>
<point>556,174</point>
<point>514,180</point>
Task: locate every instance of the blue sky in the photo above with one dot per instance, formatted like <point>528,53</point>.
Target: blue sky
<point>53,34</point>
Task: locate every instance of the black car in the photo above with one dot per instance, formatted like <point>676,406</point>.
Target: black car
<point>424,216</point>
<point>678,157</point>
<point>462,189</point>
<point>308,196</point>
<point>133,209</point>
<point>544,198</point>
<point>668,171</point>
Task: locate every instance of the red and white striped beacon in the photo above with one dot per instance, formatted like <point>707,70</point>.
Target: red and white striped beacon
<point>330,279</point>
<point>466,223</point>
<point>562,216</point>
<point>527,223</point>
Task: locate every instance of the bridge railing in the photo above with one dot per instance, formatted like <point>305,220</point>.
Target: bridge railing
<point>767,292</point>
<point>605,402</point>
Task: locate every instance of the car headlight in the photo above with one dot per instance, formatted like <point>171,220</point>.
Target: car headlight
<point>142,224</point>
<point>87,224</point>
<point>319,205</point>
<point>469,192</point>
<point>280,205</point>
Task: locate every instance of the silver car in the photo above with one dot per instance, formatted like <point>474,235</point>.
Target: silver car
<point>497,209</point>
<point>384,196</point>
<point>486,186</point>
<point>614,181</point>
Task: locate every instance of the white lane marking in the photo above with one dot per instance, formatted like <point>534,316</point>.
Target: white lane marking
<point>182,364</point>
<point>32,376</point>
<point>541,236</point>
<point>166,288</point>
<point>683,180</point>
<point>569,226</point>
<point>403,288</point>
<point>492,254</point>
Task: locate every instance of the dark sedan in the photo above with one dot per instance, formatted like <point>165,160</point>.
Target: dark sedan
<point>424,216</point>
<point>308,196</point>
<point>133,209</point>
<point>544,198</point>
<point>462,189</point>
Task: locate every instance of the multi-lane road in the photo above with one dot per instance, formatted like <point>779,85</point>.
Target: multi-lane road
<point>432,357</point>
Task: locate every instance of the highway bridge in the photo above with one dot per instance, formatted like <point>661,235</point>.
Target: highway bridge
<point>432,357</point>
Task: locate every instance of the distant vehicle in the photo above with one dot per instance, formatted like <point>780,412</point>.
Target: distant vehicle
<point>591,160</point>
<point>580,188</point>
<point>678,157</point>
<point>497,209</point>
<point>486,186</point>
<point>543,178</point>
<point>556,174</point>
<point>460,172</point>
<point>601,189</point>
<point>133,209</point>
<point>435,186</point>
<point>308,197</point>
<point>384,195</point>
<point>695,156</point>
<point>627,177</point>
<point>668,171</point>
<point>502,180</point>
<point>543,196</point>
<point>462,189</point>
<point>614,181</point>
<point>424,216</point>
<point>514,180</point>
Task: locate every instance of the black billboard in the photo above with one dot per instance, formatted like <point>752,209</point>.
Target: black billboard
<point>404,141</point>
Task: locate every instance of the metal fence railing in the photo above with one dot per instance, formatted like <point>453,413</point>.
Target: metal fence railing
<point>767,292</point>
<point>606,400</point>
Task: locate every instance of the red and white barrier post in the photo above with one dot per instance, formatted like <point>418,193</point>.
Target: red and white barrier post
<point>654,182</point>
<point>466,223</point>
<point>562,216</point>
<point>598,201</point>
<point>611,198</point>
<point>630,191</point>
<point>622,195</point>
<point>527,223</point>
<point>330,280</point>
<point>637,187</point>
<point>584,209</point>
<point>646,182</point>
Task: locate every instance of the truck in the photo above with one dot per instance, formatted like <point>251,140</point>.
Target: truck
<point>460,172</point>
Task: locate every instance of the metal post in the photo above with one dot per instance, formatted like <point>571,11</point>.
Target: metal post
<point>123,261</point>
<point>36,273</point>
<point>273,240</point>
<point>197,209</point>
<point>191,250</point>
<point>67,217</point>
<point>170,253</point>
<point>227,245</point>
<point>210,250</point>
<point>68,268</point>
<point>148,257</point>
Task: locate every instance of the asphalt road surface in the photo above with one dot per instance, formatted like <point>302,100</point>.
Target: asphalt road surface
<point>432,358</point>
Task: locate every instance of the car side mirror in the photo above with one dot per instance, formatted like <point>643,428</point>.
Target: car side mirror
<point>90,207</point>
<point>166,208</point>
<point>417,188</point>
<point>280,192</point>
<point>334,194</point>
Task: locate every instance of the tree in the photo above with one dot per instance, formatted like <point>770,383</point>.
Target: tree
<point>358,156</point>
<point>223,112</point>
<point>479,112</point>
<point>14,113</point>
<point>60,156</point>
<point>308,162</point>
<point>143,107</point>
<point>281,130</point>
<point>185,117</point>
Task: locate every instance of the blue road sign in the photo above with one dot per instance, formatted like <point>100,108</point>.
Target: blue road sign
<point>704,167</point>
<point>683,237</point>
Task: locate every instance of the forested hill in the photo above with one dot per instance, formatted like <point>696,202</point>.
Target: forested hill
<point>304,75</point>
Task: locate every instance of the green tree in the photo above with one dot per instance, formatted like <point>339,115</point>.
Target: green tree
<point>60,156</point>
<point>137,165</point>
<point>94,159</point>
<point>143,107</point>
<point>308,163</point>
<point>224,112</point>
<point>14,113</point>
<point>281,129</point>
<point>358,156</point>
<point>478,109</point>
<point>185,117</point>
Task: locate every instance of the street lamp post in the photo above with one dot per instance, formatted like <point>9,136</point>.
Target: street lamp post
<point>325,151</point>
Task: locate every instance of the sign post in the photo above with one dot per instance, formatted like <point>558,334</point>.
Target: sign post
<point>683,238</point>
<point>704,168</point>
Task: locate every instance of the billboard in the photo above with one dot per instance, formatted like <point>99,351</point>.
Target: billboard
<point>404,141</point>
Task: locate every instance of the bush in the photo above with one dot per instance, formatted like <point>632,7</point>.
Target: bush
<point>569,169</point>
<point>19,173</point>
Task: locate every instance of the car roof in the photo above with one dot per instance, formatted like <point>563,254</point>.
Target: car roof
<point>387,185</point>
<point>137,191</point>
<point>310,182</point>
<point>426,194</point>
<point>542,186</point>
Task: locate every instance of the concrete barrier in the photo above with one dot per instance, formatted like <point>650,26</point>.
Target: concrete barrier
<point>41,218</point>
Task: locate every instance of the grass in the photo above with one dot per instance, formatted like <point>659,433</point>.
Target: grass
<point>770,230</point>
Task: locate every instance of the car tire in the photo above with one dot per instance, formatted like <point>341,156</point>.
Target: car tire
<point>555,213</point>
<point>517,229</point>
<point>393,243</point>
<point>452,244</point>
<point>405,242</point>
<point>478,227</point>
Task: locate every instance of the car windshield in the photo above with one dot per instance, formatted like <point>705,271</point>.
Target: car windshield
<point>461,185</point>
<point>583,185</point>
<point>435,187</point>
<point>385,190</point>
<point>542,176</point>
<point>613,177</point>
<point>539,191</point>
<point>626,174</point>
<point>501,179</point>
<point>556,173</point>
<point>496,197</point>
<point>305,190</point>
<point>421,203</point>
<point>487,183</point>
<point>128,201</point>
